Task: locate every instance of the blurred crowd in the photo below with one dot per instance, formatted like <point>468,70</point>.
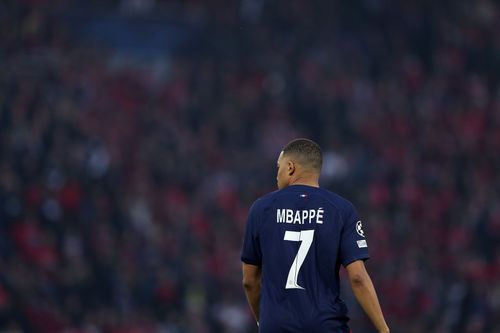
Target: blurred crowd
<point>124,192</point>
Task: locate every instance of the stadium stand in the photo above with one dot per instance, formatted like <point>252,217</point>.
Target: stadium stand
<point>124,189</point>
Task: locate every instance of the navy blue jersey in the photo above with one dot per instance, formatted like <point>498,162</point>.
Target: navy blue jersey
<point>300,236</point>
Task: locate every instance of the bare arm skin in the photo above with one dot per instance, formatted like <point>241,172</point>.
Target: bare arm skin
<point>251,285</point>
<point>364,292</point>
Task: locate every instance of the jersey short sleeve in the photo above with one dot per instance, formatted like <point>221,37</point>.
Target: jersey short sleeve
<point>353,244</point>
<point>251,251</point>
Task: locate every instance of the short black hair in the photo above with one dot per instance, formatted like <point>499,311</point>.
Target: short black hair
<point>307,152</point>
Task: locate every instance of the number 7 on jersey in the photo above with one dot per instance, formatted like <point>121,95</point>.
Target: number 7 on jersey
<point>306,239</point>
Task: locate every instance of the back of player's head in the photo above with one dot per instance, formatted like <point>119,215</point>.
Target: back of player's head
<point>306,152</point>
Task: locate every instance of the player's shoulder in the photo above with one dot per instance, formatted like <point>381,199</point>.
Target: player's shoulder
<point>337,200</point>
<point>264,199</point>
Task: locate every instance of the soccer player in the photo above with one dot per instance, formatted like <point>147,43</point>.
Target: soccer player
<point>296,238</point>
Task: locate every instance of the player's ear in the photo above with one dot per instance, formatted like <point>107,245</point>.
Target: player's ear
<point>290,167</point>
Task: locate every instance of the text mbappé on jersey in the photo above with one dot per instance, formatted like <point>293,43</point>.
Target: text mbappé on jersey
<point>300,216</point>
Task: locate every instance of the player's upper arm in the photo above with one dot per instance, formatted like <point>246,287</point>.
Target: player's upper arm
<point>251,251</point>
<point>357,273</point>
<point>353,245</point>
<point>251,274</point>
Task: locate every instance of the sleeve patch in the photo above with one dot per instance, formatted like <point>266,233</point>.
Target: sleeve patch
<point>362,243</point>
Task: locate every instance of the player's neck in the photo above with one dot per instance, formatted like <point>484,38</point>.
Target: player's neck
<point>305,179</point>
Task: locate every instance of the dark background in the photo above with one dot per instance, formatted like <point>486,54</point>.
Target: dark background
<point>135,134</point>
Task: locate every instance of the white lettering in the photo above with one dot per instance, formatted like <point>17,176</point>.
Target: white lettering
<point>319,216</point>
<point>312,214</point>
<point>280,215</point>
<point>300,216</point>
<point>297,217</point>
